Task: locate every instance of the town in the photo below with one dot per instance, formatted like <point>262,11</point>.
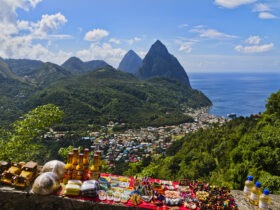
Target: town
<point>134,145</point>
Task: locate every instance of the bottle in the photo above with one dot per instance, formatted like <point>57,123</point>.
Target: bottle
<point>91,169</point>
<point>80,167</point>
<point>264,200</point>
<point>86,163</point>
<point>74,162</point>
<point>255,194</point>
<point>249,184</point>
<point>68,168</point>
<point>94,169</point>
<point>99,157</point>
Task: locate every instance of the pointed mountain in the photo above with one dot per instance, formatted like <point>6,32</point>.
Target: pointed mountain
<point>130,63</point>
<point>160,63</point>
<point>77,66</point>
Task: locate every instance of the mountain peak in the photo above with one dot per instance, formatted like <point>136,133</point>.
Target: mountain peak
<point>158,47</point>
<point>77,66</point>
<point>130,63</point>
<point>160,63</point>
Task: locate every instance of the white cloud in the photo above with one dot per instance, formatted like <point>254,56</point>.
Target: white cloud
<point>115,41</point>
<point>254,48</point>
<point>48,24</point>
<point>102,52</point>
<point>267,15</point>
<point>133,40</point>
<point>96,35</point>
<point>15,44</point>
<point>230,4</point>
<point>34,2</point>
<point>253,40</point>
<point>261,8</point>
<point>211,33</point>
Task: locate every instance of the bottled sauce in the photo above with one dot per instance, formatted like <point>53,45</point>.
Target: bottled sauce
<point>264,200</point>
<point>68,168</point>
<point>86,163</point>
<point>249,184</point>
<point>80,167</point>
<point>255,194</point>
<point>75,162</point>
<point>99,157</point>
<point>94,169</point>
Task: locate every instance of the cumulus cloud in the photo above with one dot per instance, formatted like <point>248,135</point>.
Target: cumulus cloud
<point>103,51</point>
<point>211,33</point>
<point>253,40</point>
<point>96,35</point>
<point>48,24</point>
<point>230,4</point>
<point>254,48</point>
<point>17,37</point>
<point>267,15</point>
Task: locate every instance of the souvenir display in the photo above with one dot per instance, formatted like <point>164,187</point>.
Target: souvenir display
<point>89,188</point>
<point>56,167</point>
<point>81,178</point>
<point>28,174</point>
<point>73,187</point>
<point>46,184</point>
<point>8,176</point>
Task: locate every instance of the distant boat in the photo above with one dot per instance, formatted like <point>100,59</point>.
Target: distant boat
<point>231,115</point>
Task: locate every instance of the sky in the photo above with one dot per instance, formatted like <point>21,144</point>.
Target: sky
<point>204,35</point>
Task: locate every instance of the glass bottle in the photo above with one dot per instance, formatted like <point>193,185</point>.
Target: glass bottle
<point>75,162</point>
<point>86,163</point>
<point>264,200</point>
<point>99,157</point>
<point>80,167</point>
<point>68,168</point>
<point>91,169</point>
<point>255,194</point>
<point>249,184</point>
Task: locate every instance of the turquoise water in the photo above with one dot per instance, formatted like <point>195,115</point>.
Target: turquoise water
<point>240,93</point>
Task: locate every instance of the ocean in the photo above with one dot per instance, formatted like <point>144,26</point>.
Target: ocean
<point>240,93</point>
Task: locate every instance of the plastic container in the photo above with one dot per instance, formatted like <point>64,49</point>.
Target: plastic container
<point>249,184</point>
<point>255,194</point>
<point>264,200</point>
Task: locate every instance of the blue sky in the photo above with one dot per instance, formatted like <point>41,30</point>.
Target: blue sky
<point>205,35</point>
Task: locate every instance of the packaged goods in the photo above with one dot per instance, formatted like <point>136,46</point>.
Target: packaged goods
<point>56,167</point>
<point>46,184</point>
<point>89,188</point>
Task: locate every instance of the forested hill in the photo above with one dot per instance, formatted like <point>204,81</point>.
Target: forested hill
<point>226,155</point>
<point>108,94</point>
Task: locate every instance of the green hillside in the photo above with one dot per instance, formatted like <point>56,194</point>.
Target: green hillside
<point>108,94</point>
<point>226,155</point>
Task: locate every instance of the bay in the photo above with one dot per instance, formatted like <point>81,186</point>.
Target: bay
<point>240,93</point>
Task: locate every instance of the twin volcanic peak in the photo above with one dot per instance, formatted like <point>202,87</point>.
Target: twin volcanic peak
<point>157,63</point>
<point>130,63</point>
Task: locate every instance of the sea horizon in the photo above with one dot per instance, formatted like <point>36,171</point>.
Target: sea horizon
<point>242,93</point>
